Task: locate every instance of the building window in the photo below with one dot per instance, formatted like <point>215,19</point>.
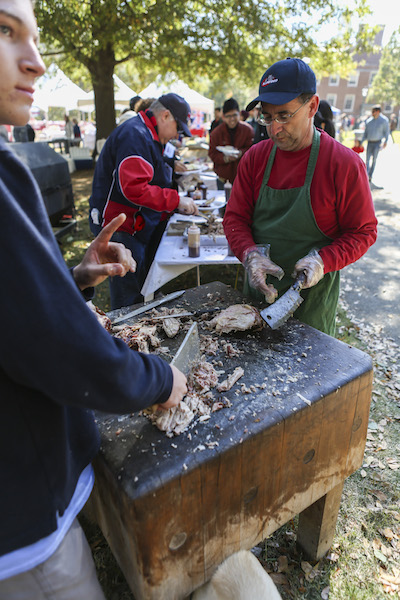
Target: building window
<point>353,79</point>
<point>349,102</point>
<point>334,80</point>
<point>371,77</point>
<point>331,99</point>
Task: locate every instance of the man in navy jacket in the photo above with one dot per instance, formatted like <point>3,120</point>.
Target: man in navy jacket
<point>131,176</point>
<point>56,362</point>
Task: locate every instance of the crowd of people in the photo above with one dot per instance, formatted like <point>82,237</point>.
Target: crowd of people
<point>300,204</point>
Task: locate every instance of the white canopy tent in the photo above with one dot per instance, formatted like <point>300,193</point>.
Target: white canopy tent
<point>55,89</point>
<point>122,95</point>
<point>196,101</point>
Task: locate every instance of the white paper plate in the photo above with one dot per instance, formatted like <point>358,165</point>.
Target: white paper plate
<point>187,173</point>
<point>228,150</point>
<point>216,204</point>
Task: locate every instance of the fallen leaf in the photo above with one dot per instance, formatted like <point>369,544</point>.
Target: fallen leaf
<point>380,556</point>
<point>279,578</point>
<point>378,494</point>
<point>306,567</point>
<point>283,565</point>
<point>333,556</point>
<point>387,533</point>
<point>325,593</point>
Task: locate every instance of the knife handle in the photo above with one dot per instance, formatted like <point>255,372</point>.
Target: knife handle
<point>204,311</point>
<point>300,281</point>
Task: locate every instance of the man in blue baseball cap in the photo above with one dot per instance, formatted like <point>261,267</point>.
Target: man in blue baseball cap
<point>301,201</point>
<point>132,177</point>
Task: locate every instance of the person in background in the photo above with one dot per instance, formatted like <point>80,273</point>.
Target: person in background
<point>376,130</point>
<point>217,118</point>
<point>71,365</point>
<point>4,133</point>
<point>300,201</point>
<point>26,133</point>
<point>260,131</point>
<point>69,128</point>
<point>130,112</point>
<point>323,118</point>
<point>77,132</point>
<point>132,177</point>
<point>393,125</point>
<point>358,147</point>
<point>232,133</point>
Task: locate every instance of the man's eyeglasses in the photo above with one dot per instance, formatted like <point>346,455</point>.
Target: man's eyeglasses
<point>232,116</point>
<point>282,118</point>
<point>178,126</point>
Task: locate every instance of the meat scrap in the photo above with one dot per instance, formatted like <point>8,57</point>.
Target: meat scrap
<point>231,380</point>
<point>238,317</point>
<point>171,326</point>
<point>209,345</point>
<point>230,350</point>
<point>101,316</point>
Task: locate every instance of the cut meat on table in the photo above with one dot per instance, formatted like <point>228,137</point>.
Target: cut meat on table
<point>238,317</point>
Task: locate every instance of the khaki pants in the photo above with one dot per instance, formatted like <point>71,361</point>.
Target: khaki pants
<point>69,574</point>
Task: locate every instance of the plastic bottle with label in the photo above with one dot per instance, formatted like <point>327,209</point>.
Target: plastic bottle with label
<point>194,241</point>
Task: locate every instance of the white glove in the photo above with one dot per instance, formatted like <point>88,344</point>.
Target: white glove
<point>313,266</point>
<point>258,265</point>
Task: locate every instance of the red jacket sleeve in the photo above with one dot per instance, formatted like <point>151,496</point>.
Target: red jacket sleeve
<point>135,174</point>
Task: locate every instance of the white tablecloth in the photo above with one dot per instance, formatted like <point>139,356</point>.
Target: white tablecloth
<point>171,259</point>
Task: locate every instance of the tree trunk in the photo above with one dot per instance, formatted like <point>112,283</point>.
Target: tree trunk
<point>101,71</point>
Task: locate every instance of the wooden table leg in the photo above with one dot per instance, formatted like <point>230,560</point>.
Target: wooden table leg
<point>317,524</point>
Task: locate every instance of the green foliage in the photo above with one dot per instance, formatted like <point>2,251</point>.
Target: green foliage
<point>386,84</point>
<point>218,39</point>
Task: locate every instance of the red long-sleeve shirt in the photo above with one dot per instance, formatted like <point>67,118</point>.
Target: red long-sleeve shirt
<point>340,198</point>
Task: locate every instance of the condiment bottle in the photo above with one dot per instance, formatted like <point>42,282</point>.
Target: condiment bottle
<point>194,241</point>
<point>203,189</point>
<point>227,188</point>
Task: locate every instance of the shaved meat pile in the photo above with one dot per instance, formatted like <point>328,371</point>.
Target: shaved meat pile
<point>139,337</point>
<point>203,377</point>
<point>198,401</point>
<point>101,316</point>
<point>174,420</point>
<point>238,317</point>
<point>214,226</point>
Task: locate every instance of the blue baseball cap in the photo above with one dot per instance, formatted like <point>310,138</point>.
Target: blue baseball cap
<point>285,81</point>
<point>179,109</point>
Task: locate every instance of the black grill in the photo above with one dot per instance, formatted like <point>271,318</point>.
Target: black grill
<point>51,172</point>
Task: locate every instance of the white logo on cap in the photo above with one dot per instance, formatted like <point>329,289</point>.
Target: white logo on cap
<point>268,80</point>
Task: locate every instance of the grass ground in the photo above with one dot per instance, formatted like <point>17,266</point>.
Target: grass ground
<point>363,563</point>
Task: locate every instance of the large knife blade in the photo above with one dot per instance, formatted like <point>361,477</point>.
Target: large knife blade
<point>188,353</point>
<point>278,313</point>
<point>149,306</point>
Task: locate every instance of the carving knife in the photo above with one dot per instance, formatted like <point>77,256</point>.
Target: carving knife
<point>149,306</point>
<point>278,313</point>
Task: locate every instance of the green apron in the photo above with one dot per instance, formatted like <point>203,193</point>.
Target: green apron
<point>285,220</point>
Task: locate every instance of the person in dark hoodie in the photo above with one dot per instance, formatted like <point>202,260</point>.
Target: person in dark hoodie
<point>57,363</point>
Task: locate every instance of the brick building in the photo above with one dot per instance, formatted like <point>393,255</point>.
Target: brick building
<point>349,94</point>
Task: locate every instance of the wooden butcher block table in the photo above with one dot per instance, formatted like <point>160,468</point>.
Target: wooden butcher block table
<point>172,509</point>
